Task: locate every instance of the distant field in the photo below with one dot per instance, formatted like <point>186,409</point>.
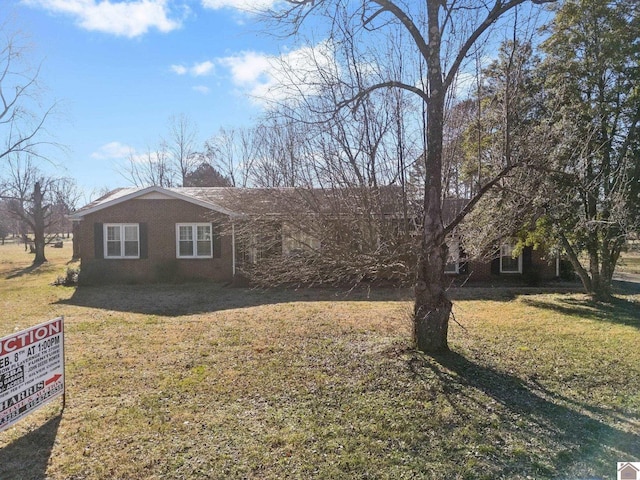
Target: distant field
<point>199,381</point>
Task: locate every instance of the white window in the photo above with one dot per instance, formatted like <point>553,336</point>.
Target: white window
<point>194,240</point>
<point>453,260</point>
<point>509,263</point>
<point>295,240</point>
<point>121,240</point>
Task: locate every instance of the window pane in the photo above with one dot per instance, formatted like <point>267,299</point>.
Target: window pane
<point>510,264</point>
<point>131,249</point>
<point>186,233</point>
<point>113,249</point>
<point>131,233</point>
<point>204,248</point>
<point>113,233</point>
<point>186,248</point>
<point>204,240</point>
<point>204,232</point>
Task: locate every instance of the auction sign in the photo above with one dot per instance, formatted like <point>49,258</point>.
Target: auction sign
<point>31,370</point>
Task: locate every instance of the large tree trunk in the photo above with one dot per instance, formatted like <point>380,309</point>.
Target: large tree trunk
<point>432,307</point>
<point>39,211</point>
<point>39,259</point>
<point>596,283</point>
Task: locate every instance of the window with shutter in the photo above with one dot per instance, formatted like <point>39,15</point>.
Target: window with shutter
<point>121,240</point>
<point>509,263</point>
<point>194,240</point>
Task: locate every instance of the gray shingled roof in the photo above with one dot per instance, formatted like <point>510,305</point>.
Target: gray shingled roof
<point>274,201</point>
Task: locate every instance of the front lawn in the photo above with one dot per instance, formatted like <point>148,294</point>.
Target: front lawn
<point>200,381</point>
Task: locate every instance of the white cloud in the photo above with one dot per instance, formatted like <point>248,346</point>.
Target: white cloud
<point>120,18</point>
<point>112,150</point>
<point>179,69</point>
<point>270,78</point>
<point>203,68</point>
<point>197,69</point>
<point>201,89</point>
<point>242,5</point>
<point>248,67</point>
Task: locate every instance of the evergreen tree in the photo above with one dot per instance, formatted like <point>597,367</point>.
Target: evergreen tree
<point>591,195</point>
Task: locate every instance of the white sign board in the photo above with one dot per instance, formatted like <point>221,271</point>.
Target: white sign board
<point>31,370</point>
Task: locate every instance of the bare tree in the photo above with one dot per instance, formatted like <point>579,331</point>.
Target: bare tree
<point>306,236</point>
<point>150,168</point>
<point>22,120</point>
<point>170,162</point>
<point>180,146</point>
<point>64,197</point>
<point>281,153</point>
<point>233,151</point>
<point>443,34</point>
<point>6,221</point>
<point>337,180</point>
<point>40,202</point>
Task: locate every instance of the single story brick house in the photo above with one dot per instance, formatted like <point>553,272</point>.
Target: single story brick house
<point>137,235</point>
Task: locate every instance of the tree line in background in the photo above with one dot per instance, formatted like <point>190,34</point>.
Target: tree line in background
<point>398,112</point>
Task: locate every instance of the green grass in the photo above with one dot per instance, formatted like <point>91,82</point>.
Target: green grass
<point>200,381</point>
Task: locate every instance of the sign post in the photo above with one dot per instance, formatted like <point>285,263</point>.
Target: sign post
<point>31,370</point>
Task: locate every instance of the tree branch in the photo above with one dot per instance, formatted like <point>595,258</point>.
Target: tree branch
<point>485,188</point>
<point>363,94</point>
<point>494,14</point>
<point>414,31</point>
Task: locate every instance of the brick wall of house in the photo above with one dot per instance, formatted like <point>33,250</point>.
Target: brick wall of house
<point>161,263</point>
<point>542,268</point>
<point>160,217</point>
<point>546,264</point>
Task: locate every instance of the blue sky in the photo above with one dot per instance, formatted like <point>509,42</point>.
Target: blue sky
<point>120,70</point>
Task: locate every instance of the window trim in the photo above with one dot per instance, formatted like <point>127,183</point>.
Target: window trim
<point>510,246</point>
<point>194,240</point>
<point>106,241</point>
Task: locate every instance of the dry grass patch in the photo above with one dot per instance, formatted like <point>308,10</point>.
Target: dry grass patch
<point>629,263</point>
<point>201,381</point>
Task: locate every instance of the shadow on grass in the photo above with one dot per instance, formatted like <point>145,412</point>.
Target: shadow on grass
<point>33,268</point>
<point>557,437</point>
<point>27,457</point>
<point>619,311</point>
<point>194,298</point>
<point>627,287</point>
